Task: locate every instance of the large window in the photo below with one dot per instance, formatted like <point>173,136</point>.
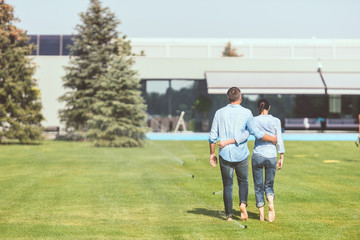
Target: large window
<point>49,45</point>
<point>33,40</point>
<point>169,97</point>
<point>66,41</point>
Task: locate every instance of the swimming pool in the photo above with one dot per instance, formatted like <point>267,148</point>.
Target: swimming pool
<point>286,136</point>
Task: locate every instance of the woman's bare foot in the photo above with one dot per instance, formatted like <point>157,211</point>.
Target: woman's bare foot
<point>229,219</point>
<point>261,213</point>
<point>243,215</point>
<point>271,208</point>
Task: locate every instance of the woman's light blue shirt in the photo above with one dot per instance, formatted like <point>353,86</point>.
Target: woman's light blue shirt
<point>271,126</point>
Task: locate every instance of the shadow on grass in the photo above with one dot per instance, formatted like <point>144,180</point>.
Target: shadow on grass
<point>218,214</point>
<point>20,143</point>
<point>349,160</point>
<point>207,212</point>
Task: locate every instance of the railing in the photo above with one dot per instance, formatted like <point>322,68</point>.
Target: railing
<point>321,124</point>
<point>56,45</point>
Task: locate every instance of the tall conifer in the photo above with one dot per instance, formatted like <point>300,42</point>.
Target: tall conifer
<point>118,115</point>
<point>95,44</point>
<point>20,105</point>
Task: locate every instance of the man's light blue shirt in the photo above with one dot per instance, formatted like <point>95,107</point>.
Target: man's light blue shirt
<point>229,122</point>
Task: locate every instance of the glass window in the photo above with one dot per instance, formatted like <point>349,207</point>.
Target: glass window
<point>177,85</point>
<point>33,40</point>
<point>67,40</point>
<point>49,45</point>
<point>335,104</point>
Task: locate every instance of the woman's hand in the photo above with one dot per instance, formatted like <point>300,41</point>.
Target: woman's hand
<point>280,162</point>
<point>223,143</point>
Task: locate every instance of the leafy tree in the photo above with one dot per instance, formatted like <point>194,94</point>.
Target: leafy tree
<point>95,46</point>
<point>203,104</point>
<point>20,105</point>
<point>118,115</point>
<point>230,52</point>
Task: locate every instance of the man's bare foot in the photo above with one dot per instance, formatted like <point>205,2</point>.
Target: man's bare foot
<point>229,219</point>
<point>271,208</point>
<point>243,215</point>
<point>261,213</point>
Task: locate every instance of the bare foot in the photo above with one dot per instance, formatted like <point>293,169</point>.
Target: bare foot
<point>229,219</point>
<point>271,208</point>
<point>243,215</point>
<point>261,213</point>
<point>271,212</point>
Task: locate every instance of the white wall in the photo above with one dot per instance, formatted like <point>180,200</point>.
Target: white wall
<point>48,74</point>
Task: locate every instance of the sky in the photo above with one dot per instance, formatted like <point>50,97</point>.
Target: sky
<point>331,19</point>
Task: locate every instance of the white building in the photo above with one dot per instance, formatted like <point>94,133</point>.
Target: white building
<point>265,66</point>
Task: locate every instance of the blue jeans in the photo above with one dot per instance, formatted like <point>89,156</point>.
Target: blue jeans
<point>227,173</point>
<point>258,163</point>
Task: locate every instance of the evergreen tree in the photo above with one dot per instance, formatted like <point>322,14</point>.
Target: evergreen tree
<point>20,105</point>
<point>95,44</point>
<point>118,114</point>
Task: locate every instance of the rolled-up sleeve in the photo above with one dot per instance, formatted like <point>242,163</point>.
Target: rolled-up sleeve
<point>253,128</point>
<point>214,132</point>
<point>242,137</point>
<point>280,141</point>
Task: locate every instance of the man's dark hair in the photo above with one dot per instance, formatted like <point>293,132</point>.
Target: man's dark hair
<point>233,94</point>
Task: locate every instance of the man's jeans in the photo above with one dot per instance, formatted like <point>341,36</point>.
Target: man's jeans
<point>227,173</point>
<point>258,163</point>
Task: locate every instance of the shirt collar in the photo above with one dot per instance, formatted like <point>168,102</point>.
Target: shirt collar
<point>237,105</point>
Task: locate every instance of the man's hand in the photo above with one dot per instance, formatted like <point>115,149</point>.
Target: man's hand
<point>213,159</point>
<point>280,162</point>
<point>269,138</point>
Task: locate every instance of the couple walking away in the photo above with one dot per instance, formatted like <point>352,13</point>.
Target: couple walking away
<point>232,125</point>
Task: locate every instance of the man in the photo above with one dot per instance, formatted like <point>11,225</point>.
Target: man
<point>229,122</point>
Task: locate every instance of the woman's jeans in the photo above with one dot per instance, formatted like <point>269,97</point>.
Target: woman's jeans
<point>258,163</point>
<point>227,173</point>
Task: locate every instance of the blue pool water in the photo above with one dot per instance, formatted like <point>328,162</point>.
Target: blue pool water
<point>286,136</point>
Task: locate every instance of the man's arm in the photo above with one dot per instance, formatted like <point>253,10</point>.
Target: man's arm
<point>258,134</point>
<point>269,138</point>
<point>214,133</point>
<point>213,158</point>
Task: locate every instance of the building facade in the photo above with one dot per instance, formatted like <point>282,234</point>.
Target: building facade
<point>166,66</point>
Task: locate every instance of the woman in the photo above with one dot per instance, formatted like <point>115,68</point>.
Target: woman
<point>264,157</point>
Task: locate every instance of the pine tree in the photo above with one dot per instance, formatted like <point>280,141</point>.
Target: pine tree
<point>118,115</point>
<point>20,105</point>
<point>95,44</point>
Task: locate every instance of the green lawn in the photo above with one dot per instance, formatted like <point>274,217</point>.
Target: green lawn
<point>71,190</point>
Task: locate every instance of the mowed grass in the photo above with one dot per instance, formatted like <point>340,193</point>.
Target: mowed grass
<point>71,190</point>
